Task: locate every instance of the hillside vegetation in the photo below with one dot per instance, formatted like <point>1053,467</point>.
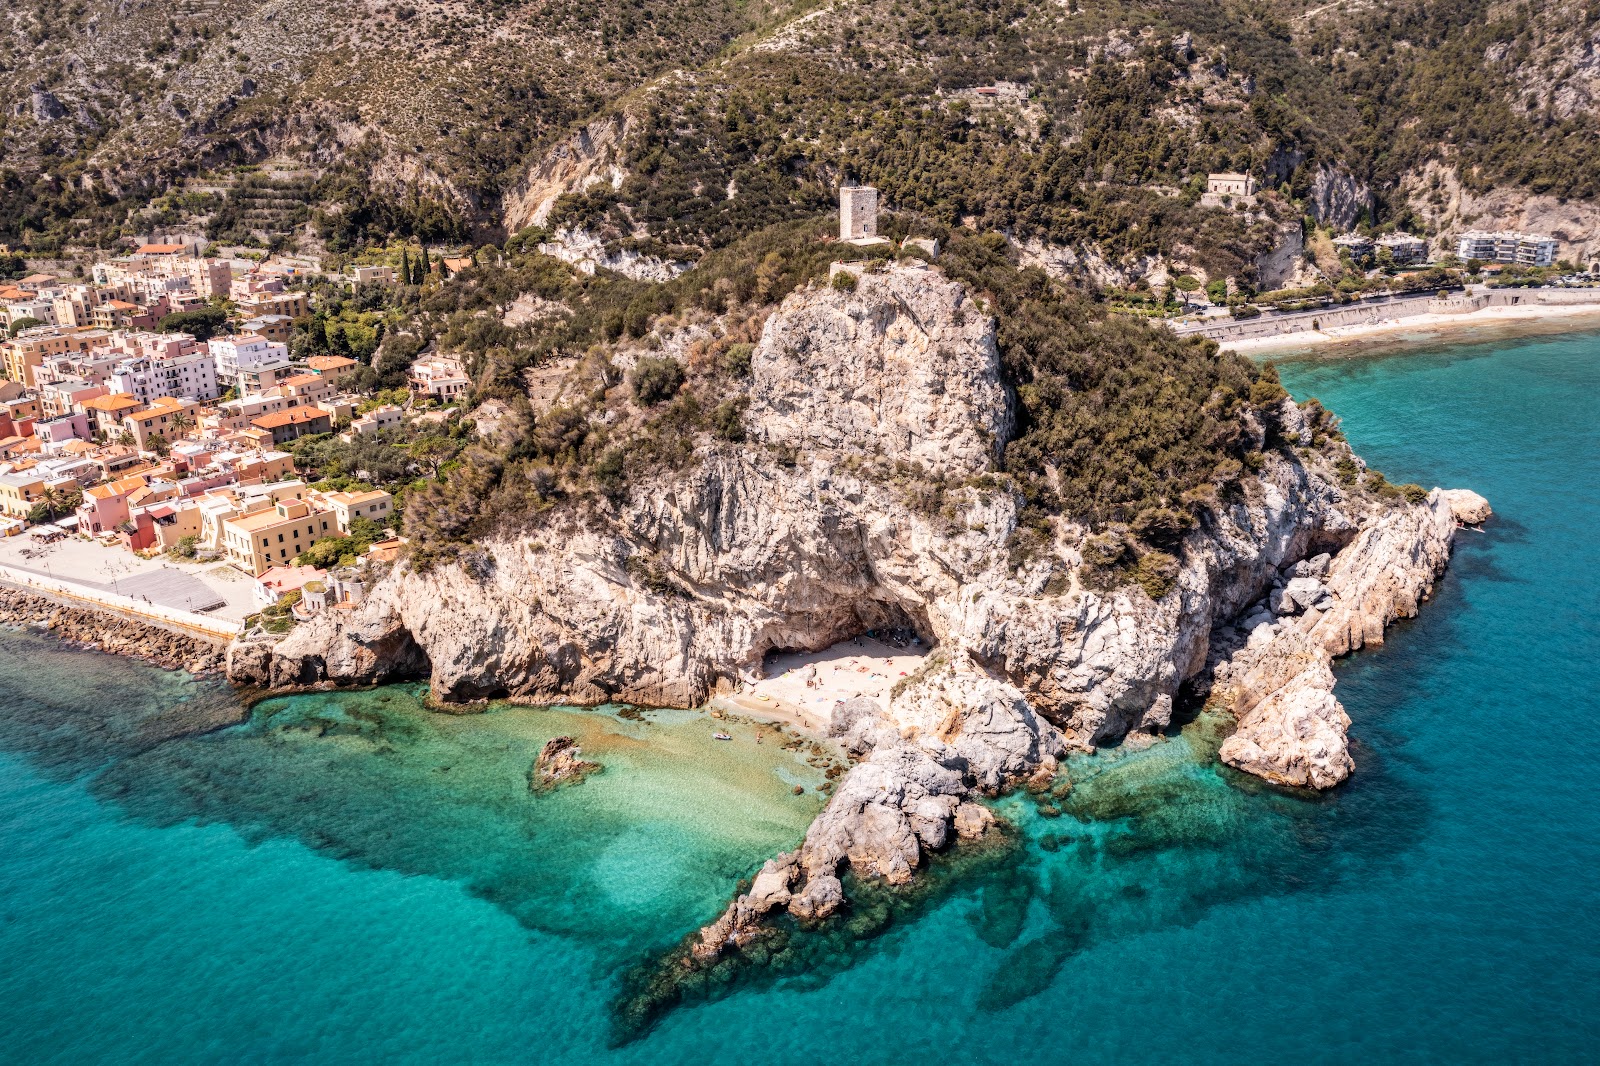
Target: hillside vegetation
<point>424,118</point>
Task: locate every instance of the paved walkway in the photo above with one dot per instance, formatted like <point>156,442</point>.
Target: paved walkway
<point>212,588</point>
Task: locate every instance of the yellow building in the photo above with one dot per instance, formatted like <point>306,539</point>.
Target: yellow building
<point>20,493</point>
<point>258,542</point>
<point>22,355</point>
<point>159,418</point>
<point>348,506</point>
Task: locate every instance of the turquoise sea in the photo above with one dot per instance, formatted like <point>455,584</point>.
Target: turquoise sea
<point>354,879</point>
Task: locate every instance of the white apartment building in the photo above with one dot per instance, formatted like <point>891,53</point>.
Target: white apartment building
<point>248,362</point>
<point>193,376</point>
<point>1507,246</point>
<point>440,378</point>
<point>41,308</point>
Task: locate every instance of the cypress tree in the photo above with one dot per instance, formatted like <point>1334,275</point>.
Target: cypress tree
<point>405,265</point>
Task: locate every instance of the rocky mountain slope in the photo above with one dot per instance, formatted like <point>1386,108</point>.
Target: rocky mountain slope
<point>689,125</point>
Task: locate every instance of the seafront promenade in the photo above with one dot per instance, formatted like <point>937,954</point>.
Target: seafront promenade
<point>208,599</point>
<point>1374,313</point>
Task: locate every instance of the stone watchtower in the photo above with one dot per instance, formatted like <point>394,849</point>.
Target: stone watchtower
<point>858,212</point>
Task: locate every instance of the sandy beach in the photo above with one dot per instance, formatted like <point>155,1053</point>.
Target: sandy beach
<point>801,688</point>
<point>1426,328</point>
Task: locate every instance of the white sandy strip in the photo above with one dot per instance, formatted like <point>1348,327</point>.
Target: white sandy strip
<point>1427,323</point>
<point>859,667</point>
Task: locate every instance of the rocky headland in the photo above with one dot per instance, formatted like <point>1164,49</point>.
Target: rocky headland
<point>816,530</point>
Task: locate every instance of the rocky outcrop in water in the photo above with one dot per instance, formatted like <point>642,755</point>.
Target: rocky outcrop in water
<point>1279,686</point>
<point>1468,507</point>
<point>952,733</point>
<point>560,762</point>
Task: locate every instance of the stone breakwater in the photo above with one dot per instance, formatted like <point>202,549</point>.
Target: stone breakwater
<point>110,632</point>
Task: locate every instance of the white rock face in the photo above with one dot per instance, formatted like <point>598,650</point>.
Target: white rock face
<point>691,580</point>
<point>1291,728</point>
<point>905,366</point>
<point>1468,507</point>
<point>588,253</point>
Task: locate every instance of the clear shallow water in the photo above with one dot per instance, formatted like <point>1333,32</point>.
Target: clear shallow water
<point>355,879</point>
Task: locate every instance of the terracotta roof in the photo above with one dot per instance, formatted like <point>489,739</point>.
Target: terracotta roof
<point>126,486</point>
<point>300,379</point>
<point>285,578</point>
<point>289,418</point>
<point>160,249</point>
<point>329,362</point>
<point>117,401</point>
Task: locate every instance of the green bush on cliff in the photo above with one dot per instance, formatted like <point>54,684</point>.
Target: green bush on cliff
<point>1116,417</point>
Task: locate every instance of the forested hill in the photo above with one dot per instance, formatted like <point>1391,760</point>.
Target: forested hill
<point>431,119</point>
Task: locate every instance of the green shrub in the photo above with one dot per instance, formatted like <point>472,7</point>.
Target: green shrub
<point>656,378</point>
<point>1161,527</point>
<point>844,281</point>
<point>727,421</point>
<point>1156,573</point>
<point>736,360</point>
<point>1104,550</point>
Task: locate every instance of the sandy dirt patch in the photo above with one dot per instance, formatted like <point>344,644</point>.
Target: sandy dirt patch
<point>801,688</point>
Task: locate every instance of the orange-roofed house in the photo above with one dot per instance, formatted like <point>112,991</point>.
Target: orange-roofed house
<point>332,367</point>
<point>189,248</point>
<point>160,417</point>
<point>297,422</point>
<point>107,412</point>
<point>105,507</point>
<point>308,389</point>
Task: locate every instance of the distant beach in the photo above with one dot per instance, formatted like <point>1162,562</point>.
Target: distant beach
<point>1487,324</point>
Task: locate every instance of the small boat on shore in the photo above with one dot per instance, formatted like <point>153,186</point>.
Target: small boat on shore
<point>720,736</point>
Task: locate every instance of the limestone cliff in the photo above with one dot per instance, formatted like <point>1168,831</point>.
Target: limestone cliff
<point>812,533</point>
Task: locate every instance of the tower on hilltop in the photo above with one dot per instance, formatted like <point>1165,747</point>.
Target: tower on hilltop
<point>858,212</point>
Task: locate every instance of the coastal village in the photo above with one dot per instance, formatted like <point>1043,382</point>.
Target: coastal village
<point>148,464</point>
